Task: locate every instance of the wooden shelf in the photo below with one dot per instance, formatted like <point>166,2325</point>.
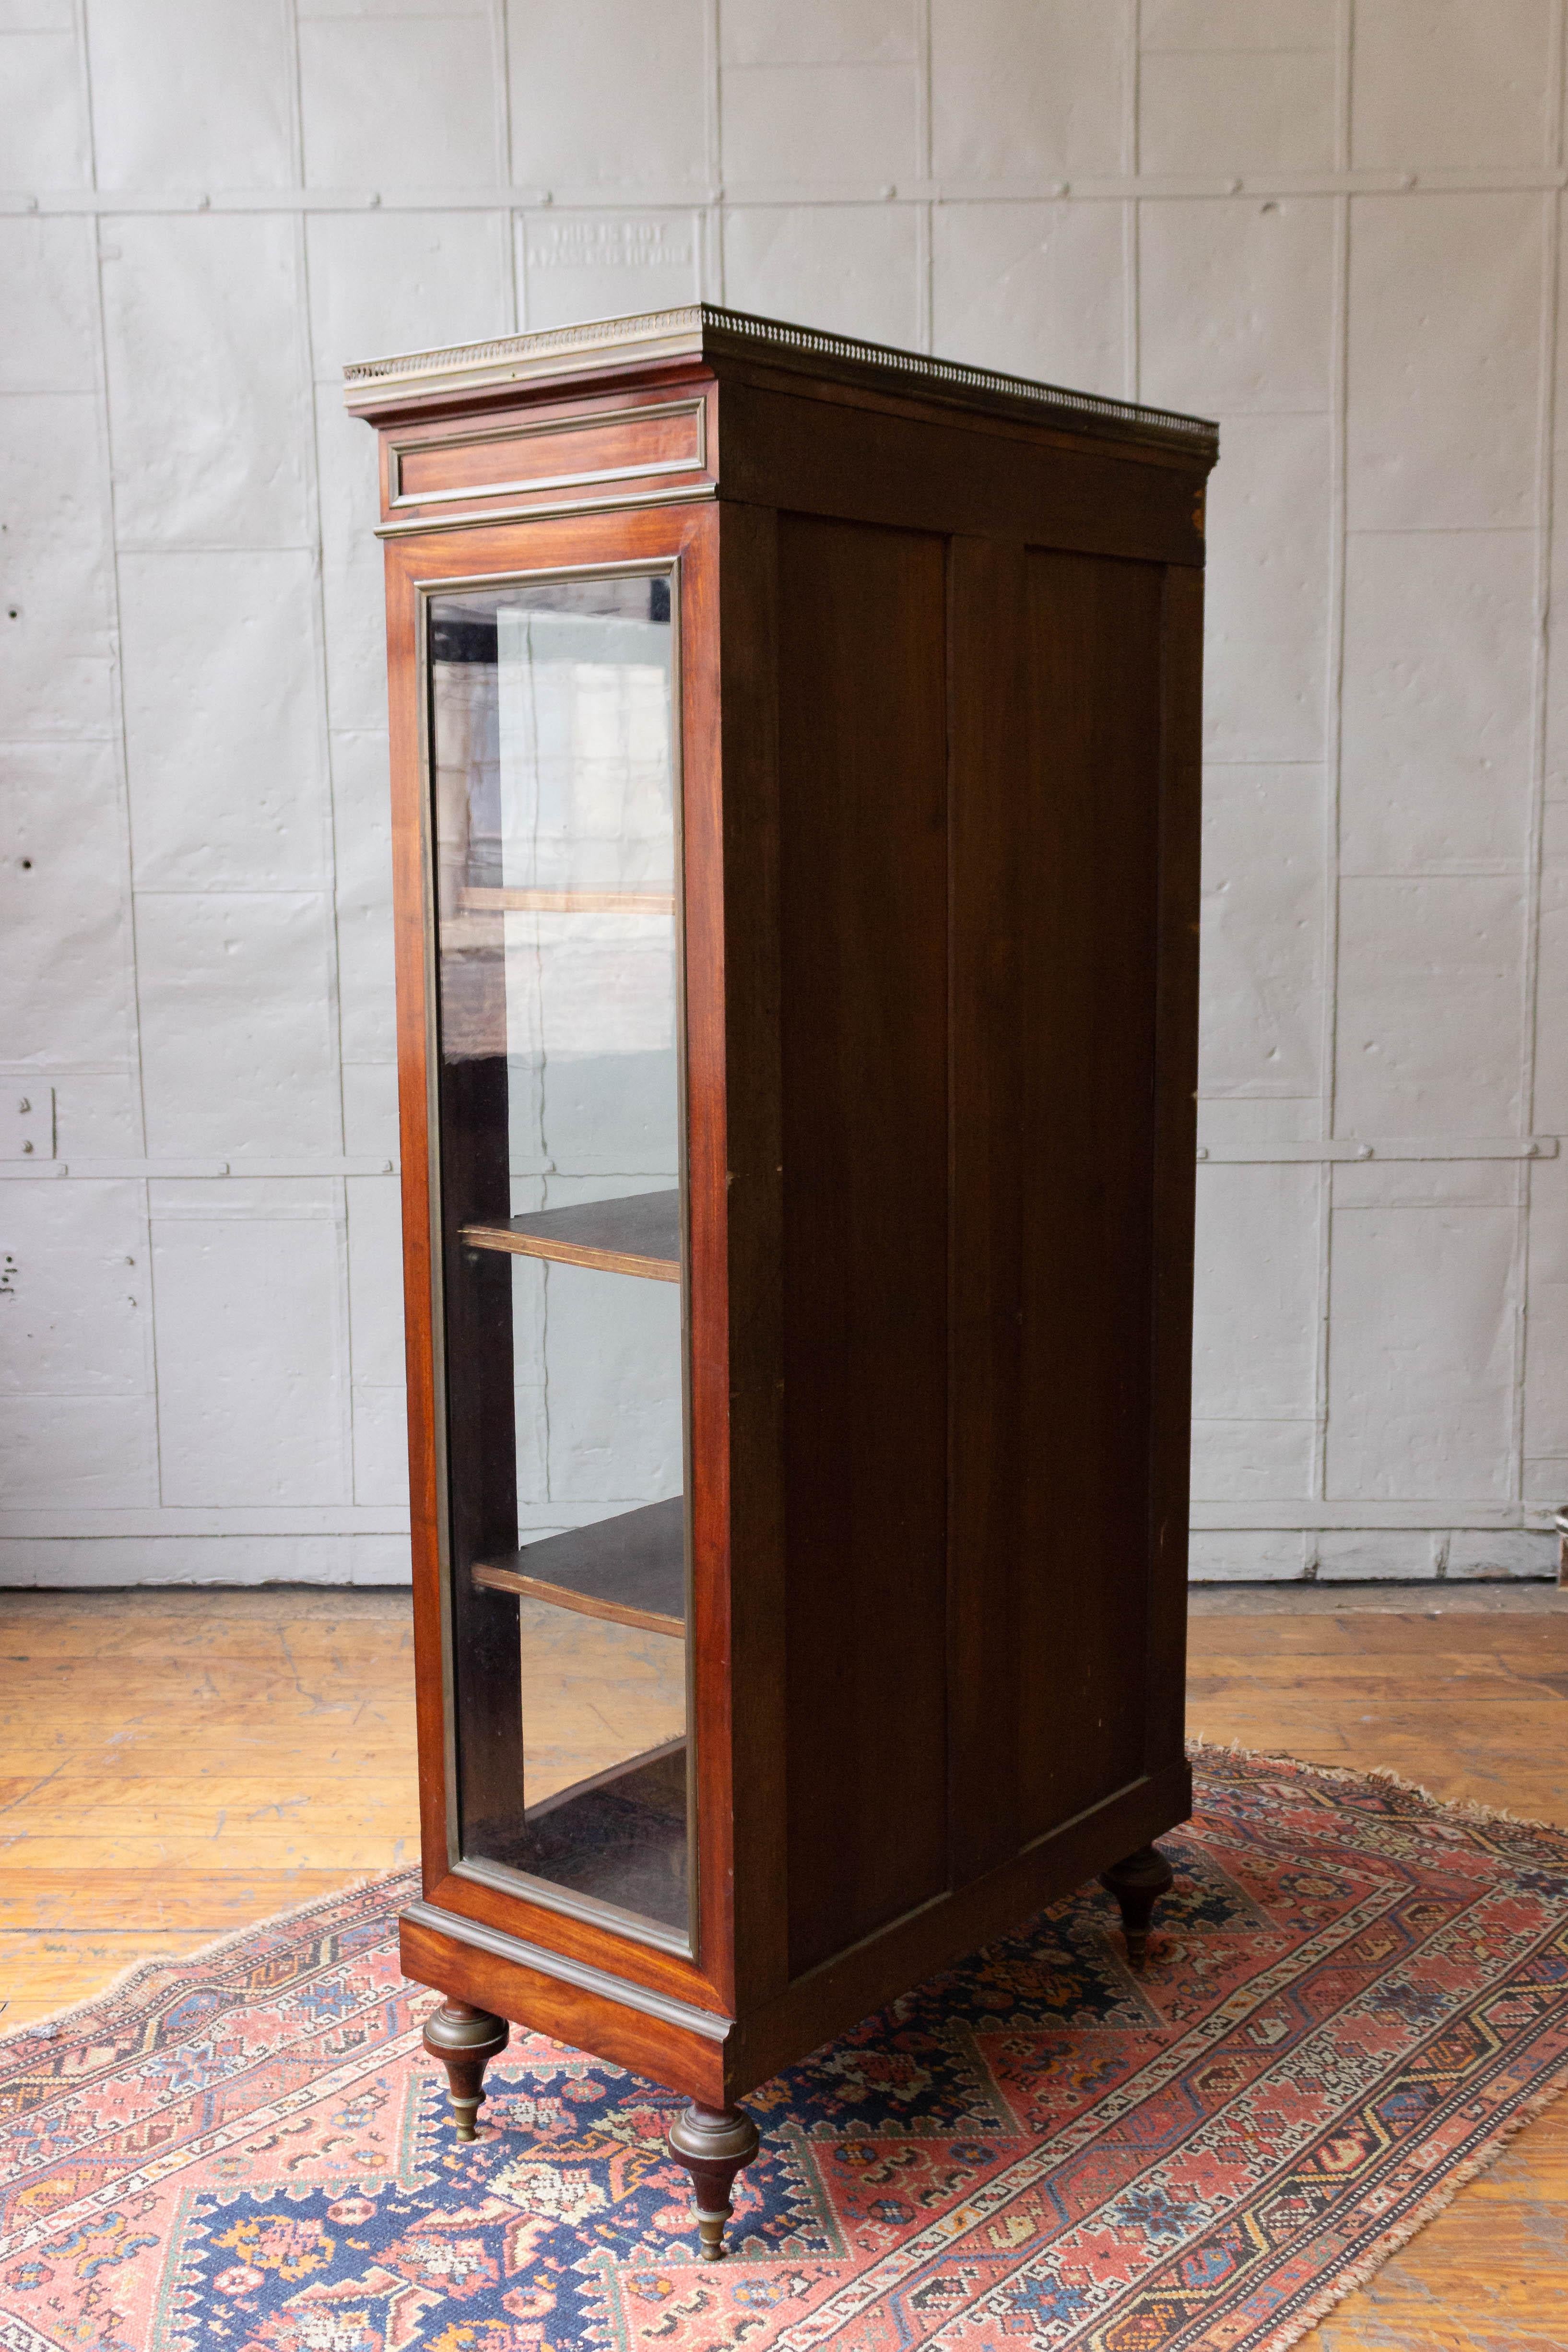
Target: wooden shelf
<point>620,1837</point>
<point>482,899</point>
<point>639,1234</point>
<point>630,1569</point>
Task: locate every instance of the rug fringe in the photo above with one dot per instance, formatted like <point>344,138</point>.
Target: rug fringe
<point>1436,2202</point>
<point>51,2025</point>
<point>1464,1808</point>
<point>1327,2293</point>
<point>1468,1809</point>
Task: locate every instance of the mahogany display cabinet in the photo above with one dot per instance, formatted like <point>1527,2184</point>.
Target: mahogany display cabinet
<point>795,770</point>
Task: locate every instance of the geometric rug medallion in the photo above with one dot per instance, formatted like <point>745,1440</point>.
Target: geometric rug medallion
<point>1353,1995</point>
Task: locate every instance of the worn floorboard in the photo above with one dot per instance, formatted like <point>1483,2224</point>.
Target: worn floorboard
<point>175,1765</point>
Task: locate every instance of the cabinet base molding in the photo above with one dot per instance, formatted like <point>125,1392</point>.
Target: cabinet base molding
<point>671,2042</point>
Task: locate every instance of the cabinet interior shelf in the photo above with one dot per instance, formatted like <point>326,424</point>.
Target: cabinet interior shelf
<point>630,1569</point>
<point>639,1234</point>
<point>482,899</point>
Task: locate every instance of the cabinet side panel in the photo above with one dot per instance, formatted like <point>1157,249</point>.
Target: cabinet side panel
<point>862,788</point>
<point>748,630</point>
<point>1177,1147</point>
<point>993,891</point>
<point>1086,967</point>
<point>405,683</point>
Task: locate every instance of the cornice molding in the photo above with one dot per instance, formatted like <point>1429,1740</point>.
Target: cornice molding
<point>703,330</point>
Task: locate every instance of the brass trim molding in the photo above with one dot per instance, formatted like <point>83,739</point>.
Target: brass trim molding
<point>462,1930</point>
<point>701,329</point>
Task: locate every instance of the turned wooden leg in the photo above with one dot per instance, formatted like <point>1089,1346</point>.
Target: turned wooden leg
<point>1138,1884</point>
<point>712,2142</point>
<point>466,2040</point>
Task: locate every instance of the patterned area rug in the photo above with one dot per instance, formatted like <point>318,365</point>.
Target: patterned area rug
<point>1351,1997</point>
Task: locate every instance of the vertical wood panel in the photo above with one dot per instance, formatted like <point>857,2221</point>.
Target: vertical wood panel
<point>707,1282</point>
<point>1089,840</point>
<point>990,784</point>
<point>413,1045</point>
<point>1176,1146</point>
<point>863,756</point>
<point>748,639</point>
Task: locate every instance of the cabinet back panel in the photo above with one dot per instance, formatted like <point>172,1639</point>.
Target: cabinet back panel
<point>862,792</point>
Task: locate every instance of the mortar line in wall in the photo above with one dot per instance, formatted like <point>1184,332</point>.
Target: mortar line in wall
<point>1132,217</point>
<point>1334,748</point>
<point>927,215</point>
<point>122,772</point>
<point>1541,683</point>
<point>1440,529</point>
<point>710,261</point>
<point>1333,729</point>
<point>712,93</point>
<point>1344,47</point>
<point>342,1319</point>
<point>770,195</point>
<point>1325,1200</point>
<point>106,460</point>
<point>511,299</point>
<point>323,729</point>
<point>515,222</point>
<point>84,71</point>
<point>1132,87</point>
<point>341,1242</point>
<point>713,257</point>
<point>500,33</point>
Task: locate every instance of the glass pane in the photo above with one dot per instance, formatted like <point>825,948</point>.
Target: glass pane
<point>560,1125</point>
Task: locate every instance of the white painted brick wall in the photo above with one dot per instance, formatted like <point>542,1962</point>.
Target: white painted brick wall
<point>1336,230</point>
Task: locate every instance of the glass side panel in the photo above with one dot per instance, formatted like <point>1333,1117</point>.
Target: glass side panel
<point>555,840</point>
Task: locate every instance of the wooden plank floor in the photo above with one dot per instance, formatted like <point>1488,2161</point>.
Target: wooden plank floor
<point>175,1765</point>
<point>1466,1693</point>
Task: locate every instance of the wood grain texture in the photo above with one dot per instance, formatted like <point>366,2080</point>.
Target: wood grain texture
<point>176,1766</point>
<point>630,1569</point>
<point>639,1234</point>
<point>753,1044</point>
<point>607,446</point>
<point>862,796</point>
<point>709,1307</point>
<point>1088,836</point>
<point>991,788</point>
<point>549,543</point>
<point>123,1716</point>
<point>1467,1703</point>
<point>682,2060</point>
<point>1175,1138</point>
<point>920,1494</point>
<point>826,455</point>
<point>874,1086</point>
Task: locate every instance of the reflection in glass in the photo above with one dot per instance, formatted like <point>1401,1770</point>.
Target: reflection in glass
<point>555,878</point>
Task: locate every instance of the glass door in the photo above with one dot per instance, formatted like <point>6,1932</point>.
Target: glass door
<point>556,859</point>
